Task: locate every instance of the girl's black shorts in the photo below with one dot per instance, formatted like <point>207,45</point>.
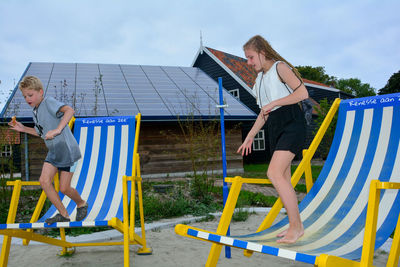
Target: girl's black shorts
<point>286,128</point>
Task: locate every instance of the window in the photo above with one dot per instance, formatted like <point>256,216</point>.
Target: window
<point>235,93</point>
<point>6,151</point>
<point>259,142</point>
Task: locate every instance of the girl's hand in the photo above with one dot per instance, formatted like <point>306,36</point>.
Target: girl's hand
<point>267,108</point>
<point>51,134</point>
<point>16,126</point>
<point>245,148</point>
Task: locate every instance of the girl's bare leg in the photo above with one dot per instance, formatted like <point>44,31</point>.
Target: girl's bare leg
<point>288,175</point>
<point>279,174</point>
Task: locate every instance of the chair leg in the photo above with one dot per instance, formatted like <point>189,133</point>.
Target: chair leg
<point>65,251</point>
<point>225,220</point>
<point>394,254</point>
<point>12,212</point>
<point>144,250</point>
<point>126,248</point>
<point>126,220</point>
<point>5,250</point>
<point>371,221</point>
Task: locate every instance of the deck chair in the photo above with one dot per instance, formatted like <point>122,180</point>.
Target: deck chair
<point>360,177</point>
<point>105,176</point>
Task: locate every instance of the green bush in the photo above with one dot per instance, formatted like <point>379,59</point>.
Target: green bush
<point>322,111</point>
<point>240,215</point>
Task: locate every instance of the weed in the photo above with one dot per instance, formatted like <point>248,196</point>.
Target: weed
<point>240,215</point>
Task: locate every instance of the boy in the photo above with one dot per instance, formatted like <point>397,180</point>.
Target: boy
<point>51,123</point>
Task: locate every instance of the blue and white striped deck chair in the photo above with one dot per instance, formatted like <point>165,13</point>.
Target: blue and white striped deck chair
<point>340,212</point>
<point>105,176</point>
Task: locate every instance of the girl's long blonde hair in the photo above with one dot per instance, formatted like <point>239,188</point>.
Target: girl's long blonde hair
<point>260,45</point>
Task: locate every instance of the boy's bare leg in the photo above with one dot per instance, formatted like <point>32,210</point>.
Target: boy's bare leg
<point>66,189</point>
<point>277,173</point>
<point>46,182</point>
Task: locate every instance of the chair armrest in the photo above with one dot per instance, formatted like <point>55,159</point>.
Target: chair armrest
<point>387,185</point>
<point>12,183</point>
<point>248,180</point>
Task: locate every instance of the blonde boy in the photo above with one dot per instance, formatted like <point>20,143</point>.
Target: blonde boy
<point>51,119</point>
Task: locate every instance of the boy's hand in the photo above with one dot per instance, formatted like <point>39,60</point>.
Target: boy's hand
<point>52,133</point>
<point>16,126</point>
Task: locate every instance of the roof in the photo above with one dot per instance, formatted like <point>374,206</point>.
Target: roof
<point>157,92</point>
<point>248,74</point>
<point>238,65</point>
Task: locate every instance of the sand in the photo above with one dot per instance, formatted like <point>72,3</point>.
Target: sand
<point>169,249</point>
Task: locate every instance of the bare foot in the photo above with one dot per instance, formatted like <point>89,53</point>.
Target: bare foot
<point>291,236</point>
<point>281,234</point>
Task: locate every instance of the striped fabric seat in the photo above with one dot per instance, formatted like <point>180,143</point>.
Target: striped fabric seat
<point>365,147</point>
<point>106,145</point>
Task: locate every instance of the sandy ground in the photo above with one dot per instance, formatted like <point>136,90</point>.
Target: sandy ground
<point>169,249</point>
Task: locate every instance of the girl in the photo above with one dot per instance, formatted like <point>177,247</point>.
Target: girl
<point>285,123</point>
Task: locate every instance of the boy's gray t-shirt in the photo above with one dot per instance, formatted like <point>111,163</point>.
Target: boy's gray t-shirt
<point>63,149</point>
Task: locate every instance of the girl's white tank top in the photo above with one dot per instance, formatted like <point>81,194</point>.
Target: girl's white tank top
<point>268,87</point>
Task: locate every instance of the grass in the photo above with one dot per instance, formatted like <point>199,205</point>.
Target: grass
<point>260,170</point>
<point>241,215</point>
<point>175,202</point>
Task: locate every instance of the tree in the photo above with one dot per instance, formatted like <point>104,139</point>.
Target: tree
<point>322,111</point>
<point>355,87</point>
<point>316,74</point>
<point>392,86</point>
<point>199,143</point>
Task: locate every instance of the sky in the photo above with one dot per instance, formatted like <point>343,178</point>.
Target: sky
<point>350,39</point>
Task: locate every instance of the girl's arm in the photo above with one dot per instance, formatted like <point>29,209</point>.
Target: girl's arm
<point>300,91</point>
<point>68,113</point>
<point>245,148</point>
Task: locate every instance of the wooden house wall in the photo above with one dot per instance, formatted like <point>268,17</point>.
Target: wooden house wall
<point>37,153</point>
<point>161,147</point>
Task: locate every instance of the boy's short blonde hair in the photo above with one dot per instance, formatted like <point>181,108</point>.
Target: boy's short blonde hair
<point>31,82</point>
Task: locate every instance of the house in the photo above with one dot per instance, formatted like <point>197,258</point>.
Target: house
<point>238,79</point>
<point>9,149</point>
<point>170,99</point>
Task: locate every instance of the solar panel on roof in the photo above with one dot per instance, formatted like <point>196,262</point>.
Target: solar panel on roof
<point>158,92</point>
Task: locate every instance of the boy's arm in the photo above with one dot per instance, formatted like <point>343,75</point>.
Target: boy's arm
<point>31,131</point>
<point>19,127</point>
<point>68,113</point>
